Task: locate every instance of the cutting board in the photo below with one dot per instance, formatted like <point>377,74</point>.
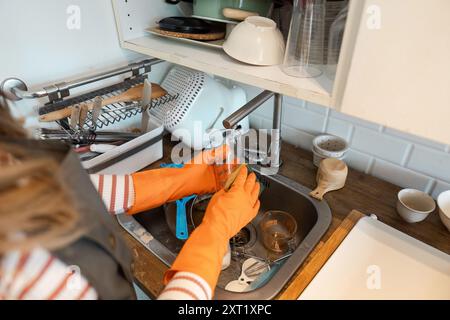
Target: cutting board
<point>376,261</point>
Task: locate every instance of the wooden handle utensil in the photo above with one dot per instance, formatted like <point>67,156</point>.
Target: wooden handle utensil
<point>132,94</point>
<point>238,14</point>
<point>331,176</point>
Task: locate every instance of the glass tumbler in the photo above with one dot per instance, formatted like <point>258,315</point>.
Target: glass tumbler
<point>227,158</point>
<point>278,230</point>
<point>304,57</point>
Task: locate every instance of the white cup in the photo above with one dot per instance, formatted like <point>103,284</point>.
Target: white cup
<point>414,205</point>
<point>443,201</point>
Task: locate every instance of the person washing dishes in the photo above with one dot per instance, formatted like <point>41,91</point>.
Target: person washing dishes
<point>58,242</point>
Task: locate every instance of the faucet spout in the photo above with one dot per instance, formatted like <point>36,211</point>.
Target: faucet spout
<point>231,121</point>
<point>275,148</point>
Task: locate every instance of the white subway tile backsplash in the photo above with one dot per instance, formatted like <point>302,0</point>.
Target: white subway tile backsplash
<point>316,108</point>
<point>297,137</point>
<point>294,102</point>
<point>398,157</point>
<point>302,119</point>
<point>415,139</point>
<point>357,160</point>
<point>400,176</point>
<point>266,123</point>
<point>378,144</point>
<point>338,127</point>
<point>354,120</point>
<point>255,121</point>
<point>440,187</point>
<point>266,109</point>
<point>430,162</point>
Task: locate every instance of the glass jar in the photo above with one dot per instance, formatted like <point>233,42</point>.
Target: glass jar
<point>227,153</point>
<point>335,41</point>
<point>304,55</point>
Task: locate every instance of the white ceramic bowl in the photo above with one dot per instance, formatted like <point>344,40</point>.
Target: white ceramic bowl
<point>330,146</point>
<point>443,201</point>
<point>414,205</point>
<point>257,41</point>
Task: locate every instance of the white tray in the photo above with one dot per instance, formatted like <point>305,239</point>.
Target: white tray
<point>376,261</point>
<point>132,155</point>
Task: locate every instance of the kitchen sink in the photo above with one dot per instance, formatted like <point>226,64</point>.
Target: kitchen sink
<point>278,193</point>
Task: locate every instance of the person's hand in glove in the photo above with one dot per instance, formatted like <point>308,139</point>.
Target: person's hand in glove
<point>227,213</point>
<point>153,188</point>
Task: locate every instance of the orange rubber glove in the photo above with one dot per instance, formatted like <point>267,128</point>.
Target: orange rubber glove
<point>153,188</point>
<point>227,213</point>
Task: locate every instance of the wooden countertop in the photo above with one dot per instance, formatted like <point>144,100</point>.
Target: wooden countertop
<point>362,192</point>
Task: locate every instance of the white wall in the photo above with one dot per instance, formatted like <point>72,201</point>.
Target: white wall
<point>37,46</point>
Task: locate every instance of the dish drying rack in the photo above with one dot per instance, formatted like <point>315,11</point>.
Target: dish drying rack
<point>130,150</point>
<point>112,113</point>
<point>60,98</point>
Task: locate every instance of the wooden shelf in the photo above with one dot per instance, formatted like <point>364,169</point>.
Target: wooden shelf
<point>215,61</point>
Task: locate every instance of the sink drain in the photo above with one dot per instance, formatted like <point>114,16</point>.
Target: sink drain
<point>246,237</point>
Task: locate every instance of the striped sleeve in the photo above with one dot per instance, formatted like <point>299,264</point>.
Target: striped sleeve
<point>117,191</point>
<point>186,286</point>
<point>38,275</point>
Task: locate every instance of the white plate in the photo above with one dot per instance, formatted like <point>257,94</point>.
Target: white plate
<point>211,44</point>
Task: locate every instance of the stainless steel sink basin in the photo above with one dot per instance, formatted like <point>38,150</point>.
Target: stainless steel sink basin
<point>279,193</point>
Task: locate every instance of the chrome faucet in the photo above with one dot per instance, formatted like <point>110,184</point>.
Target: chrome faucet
<point>273,161</point>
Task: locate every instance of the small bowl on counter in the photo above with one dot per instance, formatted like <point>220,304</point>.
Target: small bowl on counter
<point>414,205</point>
<point>443,201</point>
<point>328,146</point>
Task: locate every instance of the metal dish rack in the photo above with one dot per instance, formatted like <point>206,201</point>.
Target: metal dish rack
<point>112,113</point>
<point>59,98</point>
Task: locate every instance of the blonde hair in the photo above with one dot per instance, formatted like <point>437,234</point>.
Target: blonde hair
<point>35,210</point>
<point>8,125</point>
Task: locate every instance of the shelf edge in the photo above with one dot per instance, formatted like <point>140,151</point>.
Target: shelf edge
<point>287,90</point>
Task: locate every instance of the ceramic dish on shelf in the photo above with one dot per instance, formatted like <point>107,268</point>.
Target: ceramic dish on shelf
<point>217,44</point>
<point>256,41</point>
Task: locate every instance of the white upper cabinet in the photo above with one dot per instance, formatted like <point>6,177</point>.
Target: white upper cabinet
<point>399,72</point>
<point>394,67</point>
